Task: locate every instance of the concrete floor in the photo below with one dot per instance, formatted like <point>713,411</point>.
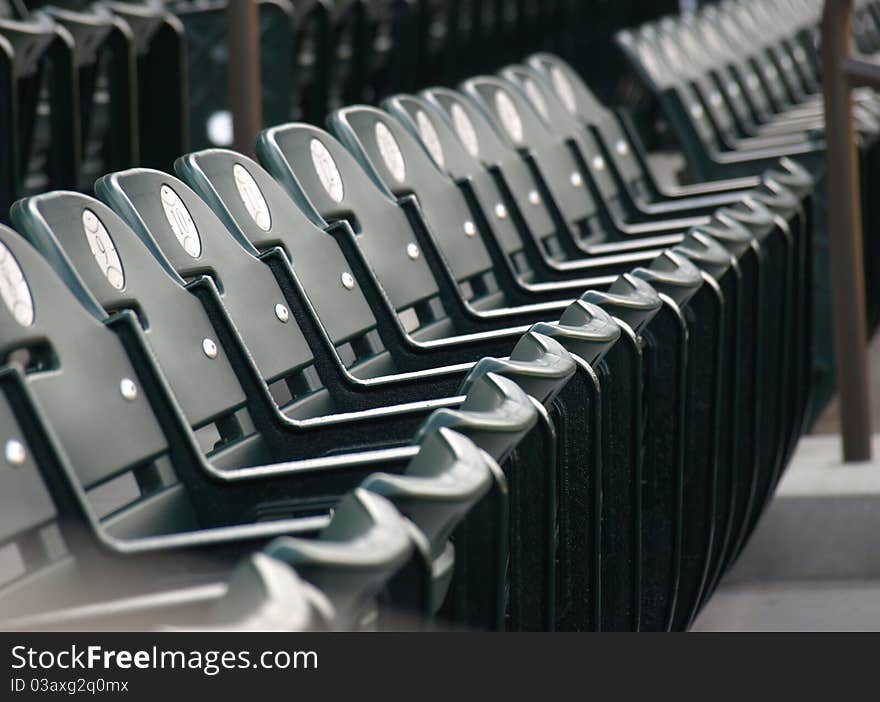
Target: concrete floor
<point>829,422</point>
<point>813,563</point>
<point>813,605</point>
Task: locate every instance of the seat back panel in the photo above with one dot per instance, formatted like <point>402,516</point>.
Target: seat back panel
<point>325,178</point>
<point>398,163</point>
<point>96,251</point>
<point>167,214</point>
<point>317,260</point>
<point>86,366</point>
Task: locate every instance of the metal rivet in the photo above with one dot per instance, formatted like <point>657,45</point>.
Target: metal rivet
<point>128,389</point>
<point>210,348</point>
<point>282,313</point>
<point>622,148</point>
<point>534,197</point>
<point>15,452</point>
<point>470,228</point>
<point>598,163</point>
<point>412,251</point>
<point>696,111</point>
<point>576,180</point>
<point>500,211</point>
<point>347,281</point>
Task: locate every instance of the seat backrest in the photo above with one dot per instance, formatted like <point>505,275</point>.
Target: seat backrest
<point>650,65</point>
<point>260,215</point>
<point>327,182</point>
<point>86,386</point>
<point>711,35</point>
<point>766,75</point>
<point>580,102</point>
<point>167,215</point>
<point>493,150</point>
<point>510,113</point>
<point>668,78</point>
<point>697,52</point>
<point>396,161</point>
<point>701,85</point>
<point>558,121</point>
<point>769,35</point>
<point>473,128</point>
<point>105,263</point>
<point>449,154</point>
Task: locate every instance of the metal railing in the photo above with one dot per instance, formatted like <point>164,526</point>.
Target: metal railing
<point>245,102</point>
<point>841,73</point>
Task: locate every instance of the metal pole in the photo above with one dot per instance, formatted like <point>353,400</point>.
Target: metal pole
<point>245,104</point>
<point>845,234</point>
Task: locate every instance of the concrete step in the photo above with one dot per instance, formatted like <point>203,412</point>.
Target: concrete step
<point>813,563</point>
<point>832,605</point>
